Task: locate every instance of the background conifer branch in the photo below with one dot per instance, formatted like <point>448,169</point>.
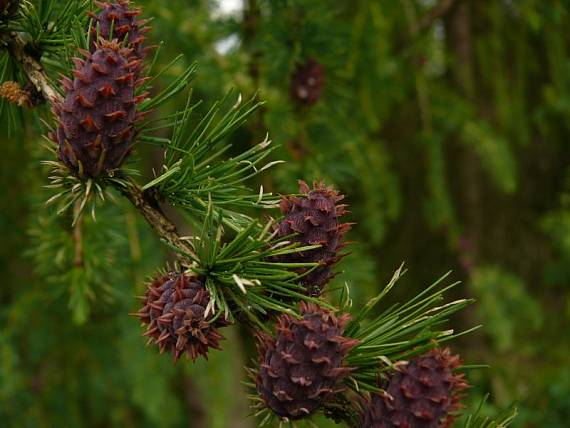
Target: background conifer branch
<point>439,10</point>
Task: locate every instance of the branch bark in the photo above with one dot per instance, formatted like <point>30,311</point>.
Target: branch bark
<point>31,66</point>
<point>148,207</point>
<point>78,236</point>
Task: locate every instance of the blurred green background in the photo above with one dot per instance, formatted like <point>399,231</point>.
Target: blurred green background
<point>446,124</point>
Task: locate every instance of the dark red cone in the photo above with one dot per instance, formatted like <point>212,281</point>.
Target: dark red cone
<point>97,118</point>
<point>424,393</point>
<point>307,82</point>
<point>303,365</point>
<point>314,218</point>
<point>174,310</point>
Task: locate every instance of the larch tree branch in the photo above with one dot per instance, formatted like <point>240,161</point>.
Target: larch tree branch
<point>143,202</point>
<point>148,207</point>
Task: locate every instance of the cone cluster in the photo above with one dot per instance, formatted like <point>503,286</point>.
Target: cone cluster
<point>313,218</point>
<point>303,365</point>
<point>307,82</point>
<point>424,393</point>
<point>174,311</point>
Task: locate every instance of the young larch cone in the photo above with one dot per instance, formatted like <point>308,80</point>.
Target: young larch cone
<point>119,21</point>
<point>314,219</point>
<point>424,393</point>
<point>97,118</point>
<point>303,365</point>
<point>174,310</point>
<point>307,82</point>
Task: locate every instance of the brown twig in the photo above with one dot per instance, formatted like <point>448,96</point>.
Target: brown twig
<point>78,236</point>
<point>147,205</point>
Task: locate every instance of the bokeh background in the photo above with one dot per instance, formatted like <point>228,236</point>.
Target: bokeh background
<point>446,123</point>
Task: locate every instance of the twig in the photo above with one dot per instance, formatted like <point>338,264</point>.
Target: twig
<point>147,205</point>
<point>31,66</point>
<point>78,236</point>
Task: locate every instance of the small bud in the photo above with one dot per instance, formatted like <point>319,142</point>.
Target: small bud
<point>15,94</point>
